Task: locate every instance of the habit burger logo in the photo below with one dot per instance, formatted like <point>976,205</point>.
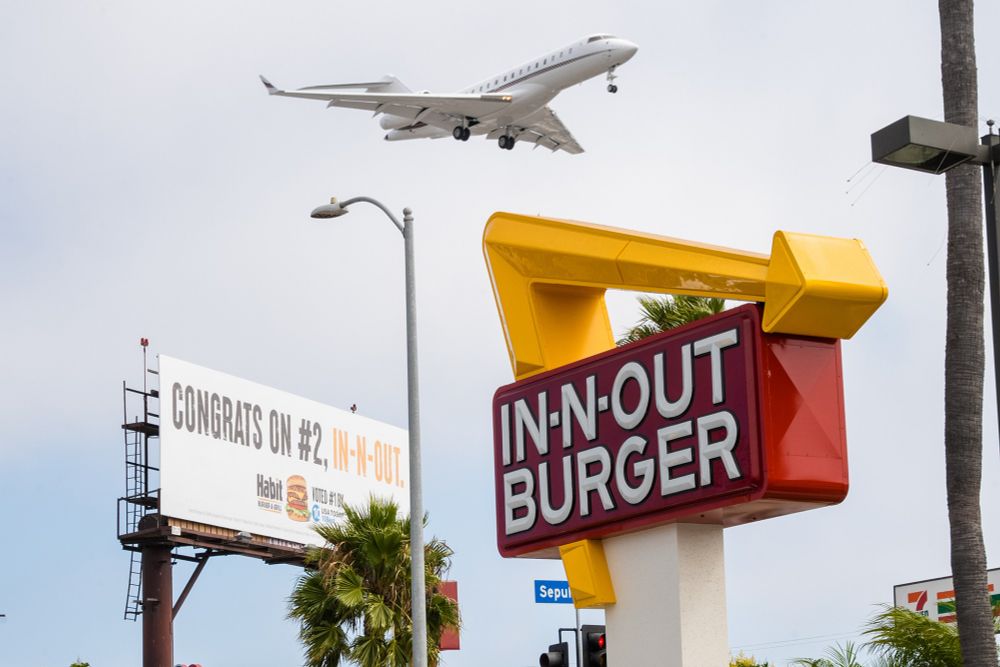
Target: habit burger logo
<point>297,506</point>
<point>654,431</point>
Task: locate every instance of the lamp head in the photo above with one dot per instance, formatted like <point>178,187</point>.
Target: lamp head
<point>925,145</point>
<point>327,211</point>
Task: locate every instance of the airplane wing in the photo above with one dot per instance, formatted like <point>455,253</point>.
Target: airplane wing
<point>544,128</point>
<point>403,104</point>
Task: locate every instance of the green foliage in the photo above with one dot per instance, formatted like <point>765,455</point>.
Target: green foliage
<point>78,663</point>
<point>355,606</point>
<point>837,656</point>
<point>902,637</point>
<point>740,660</point>
<point>661,313</point>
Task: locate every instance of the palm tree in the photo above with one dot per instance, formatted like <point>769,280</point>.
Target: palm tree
<point>964,355</point>
<point>902,637</point>
<point>355,605</point>
<point>838,656</point>
<point>661,313</point>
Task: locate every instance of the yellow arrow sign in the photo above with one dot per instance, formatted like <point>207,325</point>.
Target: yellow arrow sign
<point>549,278</point>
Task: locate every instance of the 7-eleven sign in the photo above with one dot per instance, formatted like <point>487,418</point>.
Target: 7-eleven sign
<point>935,598</point>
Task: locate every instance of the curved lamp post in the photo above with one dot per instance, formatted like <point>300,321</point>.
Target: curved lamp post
<point>336,209</point>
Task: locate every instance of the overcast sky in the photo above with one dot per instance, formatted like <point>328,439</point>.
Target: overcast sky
<point>150,187</point>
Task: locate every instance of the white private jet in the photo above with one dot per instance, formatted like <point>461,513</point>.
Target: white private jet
<point>509,107</point>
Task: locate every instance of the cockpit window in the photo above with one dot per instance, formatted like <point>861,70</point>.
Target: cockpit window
<point>594,38</point>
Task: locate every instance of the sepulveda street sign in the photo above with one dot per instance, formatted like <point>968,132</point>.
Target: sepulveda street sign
<point>552,591</point>
<point>713,421</point>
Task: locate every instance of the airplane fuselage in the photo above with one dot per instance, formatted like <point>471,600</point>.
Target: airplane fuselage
<point>531,85</point>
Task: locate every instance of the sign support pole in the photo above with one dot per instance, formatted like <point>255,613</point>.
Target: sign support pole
<point>579,640</point>
<point>157,612</point>
<point>672,604</point>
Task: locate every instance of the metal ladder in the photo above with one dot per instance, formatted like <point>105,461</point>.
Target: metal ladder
<point>138,500</point>
<point>133,598</point>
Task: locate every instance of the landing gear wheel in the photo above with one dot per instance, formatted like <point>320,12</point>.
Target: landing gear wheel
<point>612,88</point>
<point>510,143</point>
<point>503,141</point>
<point>458,132</point>
<point>466,133</point>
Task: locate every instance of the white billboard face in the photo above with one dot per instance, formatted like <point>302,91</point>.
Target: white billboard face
<point>935,598</point>
<point>237,454</point>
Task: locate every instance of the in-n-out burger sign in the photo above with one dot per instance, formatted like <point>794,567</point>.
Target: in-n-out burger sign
<point>714,421</point>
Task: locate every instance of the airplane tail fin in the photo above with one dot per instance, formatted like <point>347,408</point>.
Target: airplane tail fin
<point>387,84</point>
<point>271,90</point>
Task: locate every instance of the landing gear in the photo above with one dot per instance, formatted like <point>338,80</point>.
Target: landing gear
<point>461,133</point>
<point>612,88</point>
<point>506,142</point>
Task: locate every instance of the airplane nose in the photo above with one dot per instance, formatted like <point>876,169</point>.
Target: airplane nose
<point>627,48</point>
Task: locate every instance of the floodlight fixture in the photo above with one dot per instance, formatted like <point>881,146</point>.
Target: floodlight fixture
<point>926,145</point>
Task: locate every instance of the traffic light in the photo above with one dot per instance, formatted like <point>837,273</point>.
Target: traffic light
<point>595,646</point>
<point>556,656</point>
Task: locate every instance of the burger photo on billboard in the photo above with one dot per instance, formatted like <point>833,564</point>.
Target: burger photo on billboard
<point>297,506</point>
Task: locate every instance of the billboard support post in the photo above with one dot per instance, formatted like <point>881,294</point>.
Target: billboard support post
<point>157,612</point>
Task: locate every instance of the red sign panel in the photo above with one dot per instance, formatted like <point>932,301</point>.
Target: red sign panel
<point>667,428</point>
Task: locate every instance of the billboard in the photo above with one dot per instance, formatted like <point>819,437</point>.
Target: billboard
<point>935,598</point>
<point>714,421</point>
<point>240,455</point>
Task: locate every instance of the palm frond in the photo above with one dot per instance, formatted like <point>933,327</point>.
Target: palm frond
<point>913,639</point>
<point>369,650</point>
<point>662,313</point>
<point>378,615</point>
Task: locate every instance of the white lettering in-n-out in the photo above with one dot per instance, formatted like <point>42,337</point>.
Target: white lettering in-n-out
<point>714,345</point>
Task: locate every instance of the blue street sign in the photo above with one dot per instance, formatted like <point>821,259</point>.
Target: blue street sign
<point>552,592</point>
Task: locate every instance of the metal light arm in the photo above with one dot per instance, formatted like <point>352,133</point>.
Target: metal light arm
<point>375,202</point>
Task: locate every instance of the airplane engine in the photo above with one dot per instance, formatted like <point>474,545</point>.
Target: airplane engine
<point>390,122</point>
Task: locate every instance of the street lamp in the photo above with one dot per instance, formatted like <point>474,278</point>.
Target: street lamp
<point>934,147</point>
<point>336,209</point>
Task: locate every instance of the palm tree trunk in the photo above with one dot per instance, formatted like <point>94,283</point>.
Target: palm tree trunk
<point>964,355</point>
